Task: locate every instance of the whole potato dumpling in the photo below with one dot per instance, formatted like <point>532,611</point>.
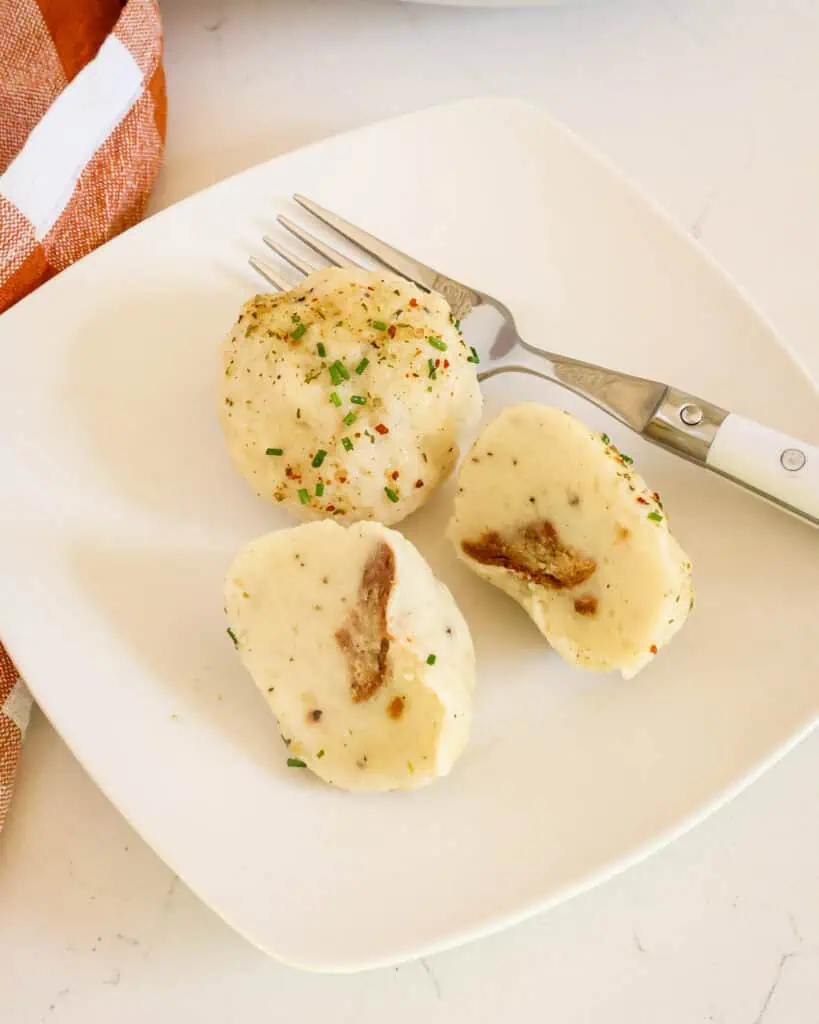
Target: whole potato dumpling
<point>360,652</point>
<point>347,396</point>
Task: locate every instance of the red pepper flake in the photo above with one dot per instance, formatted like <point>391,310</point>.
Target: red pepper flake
<point>656,497</point>
<point>413,303</point>
<point>419,483</point>
<point>342,479</point>
<point>446,364</point>
<point>329,508</point>
<point>370,287</point>
<point>391,330</point>
<point>395,474</point>
<point>437,363</point>
<point>381,429</point>
<point>641,499</point>
<point>653,648</point>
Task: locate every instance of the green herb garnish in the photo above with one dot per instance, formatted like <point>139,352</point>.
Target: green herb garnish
<point>605,439</point>
<point>319,490</point>
<point>655,517</point>
<point>627,459</point>
<point>347,444</point>
<point>335,399</point>
<point>432,371</point>
<point>358,400</point>
<point>391,494</point>
<point>431,659</point>
<point>335,376</point>
<point>318,458</point>
<point>437,343</point>
<point>322,351</point>
<point>304,497</point>
<point>295,762</point>
<point>274,451</point>
<point>320,754</point>
<point>362,366</point>
<point>378,325</point>
<point>341,370</point>
<point>297,332</point>
<point>349,419</point>
<point>474,358</point>
<point>233,637</point>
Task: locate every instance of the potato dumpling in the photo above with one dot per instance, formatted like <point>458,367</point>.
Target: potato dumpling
<point>361,653</point>
<point>553,514</point>
<point>347,396</point>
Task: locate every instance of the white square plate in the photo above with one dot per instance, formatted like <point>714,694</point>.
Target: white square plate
<point>122,512</point>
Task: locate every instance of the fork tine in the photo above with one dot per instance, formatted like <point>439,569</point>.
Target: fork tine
<point>425,277</point>
<point>269,274</point>
<point>301,265</point>
<point>316,244</point>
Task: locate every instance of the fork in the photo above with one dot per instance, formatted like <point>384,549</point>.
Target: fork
<point>780,469</point>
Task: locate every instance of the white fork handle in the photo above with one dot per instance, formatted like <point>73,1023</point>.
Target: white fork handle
<point>775,466</point>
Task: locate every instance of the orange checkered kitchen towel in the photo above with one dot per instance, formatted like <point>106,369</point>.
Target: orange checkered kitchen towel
<point>82,128</point>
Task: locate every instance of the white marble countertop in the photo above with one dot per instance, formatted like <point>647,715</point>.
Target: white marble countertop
<point>711,109</point>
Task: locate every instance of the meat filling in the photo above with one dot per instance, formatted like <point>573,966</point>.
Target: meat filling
<point>535,552</point>
<point>363,637</point>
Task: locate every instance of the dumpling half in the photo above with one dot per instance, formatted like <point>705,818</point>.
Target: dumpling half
<point>361,653</point>
<point>553,514</point>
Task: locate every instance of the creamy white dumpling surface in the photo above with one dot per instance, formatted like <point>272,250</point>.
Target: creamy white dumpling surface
<point>361,653</point>
<point>553,514</point>
<point>348,396</point>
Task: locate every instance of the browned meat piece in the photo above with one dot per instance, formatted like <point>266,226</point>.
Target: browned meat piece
<point>363,638</point>
<point>586,605</point>
<point>535,552</point>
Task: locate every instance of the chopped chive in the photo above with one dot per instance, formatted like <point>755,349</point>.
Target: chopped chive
<point>437,343</point>
<point>233,637</point>
<point>304,497</point>
<point>347,443</point>
<point>605,439</point>
<point>322,351</point>
<point>341,370</point>
<point>319,490</point>
<point>431,659</point>
<point>358,400</point>
<point>274,451</point>
<point>379,325</point>
<point>627,459</point>
<point>297,332</point>
<point>457,324</point>
<point>655,517</point>
<point>362,366</point>
<point>391,494</point>
<point>319,457</point>
<point>474,358</point>
<point>349,419</point>
<point>431,365</point>
<point>335,376</point>
<point>335,399</point>
<point>320,754</point>
<point>295,762</point>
